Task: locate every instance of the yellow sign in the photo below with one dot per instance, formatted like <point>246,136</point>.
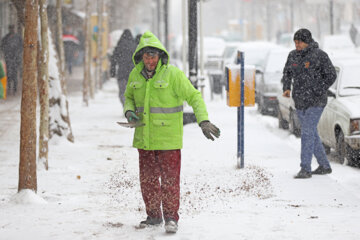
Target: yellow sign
<point>68,2</point>
<point>233,89</point>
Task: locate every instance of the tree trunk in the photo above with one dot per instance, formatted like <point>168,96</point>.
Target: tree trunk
<point>27,168</point>
<point>43,80</point>
<point>92,80</point>
<point>66,117</point>
<point>59,41</point>
<point>99,44</point>
<point>86,59</point>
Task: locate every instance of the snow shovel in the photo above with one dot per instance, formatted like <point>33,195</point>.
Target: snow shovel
<point>131,124</point>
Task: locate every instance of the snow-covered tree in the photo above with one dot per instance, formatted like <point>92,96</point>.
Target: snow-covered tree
<point>62,100</point>
<point>57,99</point>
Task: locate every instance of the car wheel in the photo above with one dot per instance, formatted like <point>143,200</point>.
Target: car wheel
<point>292,126</point>
<point>353,156</point>
<point>261,106</point>
<point>340,147</point>
<point>283,124</point>
<point>327,149</point>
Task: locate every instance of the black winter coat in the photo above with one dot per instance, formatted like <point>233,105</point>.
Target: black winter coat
<point>12,46</point>
<point>311,73</point>
<point>122,57</point>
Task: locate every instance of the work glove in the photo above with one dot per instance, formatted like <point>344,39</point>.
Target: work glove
<point>209,129</point>
<point>131,117</point>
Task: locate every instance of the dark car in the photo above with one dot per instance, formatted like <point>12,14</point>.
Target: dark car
<point>270,82</point>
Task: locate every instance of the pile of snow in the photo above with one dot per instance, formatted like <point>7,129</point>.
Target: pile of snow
<point>27,196</point>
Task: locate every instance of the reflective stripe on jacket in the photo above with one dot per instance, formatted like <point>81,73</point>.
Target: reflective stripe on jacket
<point>158,101</point>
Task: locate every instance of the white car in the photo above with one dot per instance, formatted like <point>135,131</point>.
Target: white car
<point>338,42</point>
<point>339,126</point>
<point>213,51</point>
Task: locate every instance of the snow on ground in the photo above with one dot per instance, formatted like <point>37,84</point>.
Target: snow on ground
<point>92,191</point>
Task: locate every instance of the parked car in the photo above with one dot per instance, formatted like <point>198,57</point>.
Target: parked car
<point>213,52</point>
<point>270,82</point>
<point>337,42</point>
<point>230,54</point>
<point>255,54</point>
<point>339,125</point>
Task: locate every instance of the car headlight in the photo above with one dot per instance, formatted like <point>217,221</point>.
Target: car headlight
<point>355,126</point>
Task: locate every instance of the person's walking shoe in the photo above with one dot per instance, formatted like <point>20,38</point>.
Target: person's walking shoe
<point>303,174</point>
<point>171,226</point>
<point>321,170</point>
<point>150,222</point>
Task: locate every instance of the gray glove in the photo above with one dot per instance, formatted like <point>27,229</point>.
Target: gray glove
<point>131,117</point>
<point>209,129</point>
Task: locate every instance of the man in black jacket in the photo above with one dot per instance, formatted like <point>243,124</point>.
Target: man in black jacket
<point>122,61</point>
<point>12,46</point>
<point>310,73</point>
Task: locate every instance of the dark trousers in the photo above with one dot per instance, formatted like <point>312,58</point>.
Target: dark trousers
<point>164,165</point>
<point>122,87</point>
<point>12,79</point>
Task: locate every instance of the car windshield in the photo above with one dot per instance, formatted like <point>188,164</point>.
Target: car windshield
<point>256,52</point>
<point>350,82</point>
<point>255,57</point>
<point>229,51</point>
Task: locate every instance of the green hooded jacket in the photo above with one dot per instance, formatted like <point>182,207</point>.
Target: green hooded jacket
<point>158,101</point>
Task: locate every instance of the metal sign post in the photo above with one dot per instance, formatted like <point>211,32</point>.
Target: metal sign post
<point>240,113</point>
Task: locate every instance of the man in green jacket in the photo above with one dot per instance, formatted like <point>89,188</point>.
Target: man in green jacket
<point>154,99</point>
<point>2,81</point>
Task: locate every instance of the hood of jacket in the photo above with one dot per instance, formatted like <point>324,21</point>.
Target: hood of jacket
<point>148,39</point>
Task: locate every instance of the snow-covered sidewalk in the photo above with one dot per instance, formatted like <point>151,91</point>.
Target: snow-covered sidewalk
<point>91,190</point>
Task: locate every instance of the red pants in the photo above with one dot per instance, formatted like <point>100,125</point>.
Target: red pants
<point>164,164</point>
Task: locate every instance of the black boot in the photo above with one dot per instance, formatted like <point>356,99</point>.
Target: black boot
<point>322,171</point>
<point>303,174</point>
<point>150,222</point>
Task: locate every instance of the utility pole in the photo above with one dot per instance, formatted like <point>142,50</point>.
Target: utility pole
<point>268,20</point>
<point>253,21</point>
<point>201,38</point>
<point>331,17</point>
<point>166,25</point>
<point>193,68</point>
<point>291,16</point>
<point>158,24</point>
<point>183,16</point>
